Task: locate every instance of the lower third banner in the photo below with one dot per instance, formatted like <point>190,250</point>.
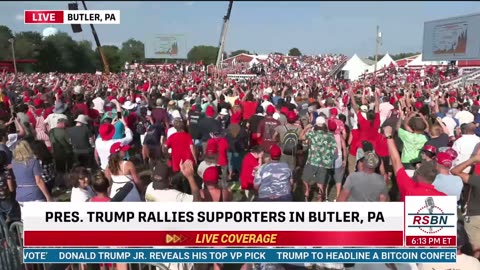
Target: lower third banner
<point>238,255</point>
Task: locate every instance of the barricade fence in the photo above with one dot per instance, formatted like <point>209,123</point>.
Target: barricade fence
<point>11,255</point>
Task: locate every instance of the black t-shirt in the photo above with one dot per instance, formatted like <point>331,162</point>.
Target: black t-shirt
<point>439,142</point>
<point>207,126</point>
<point>80,138</point>
<point>153,135</point>
<point>474,202</point>
<point>291,106</point>
<point>254,121</point>
<point>194,128</point>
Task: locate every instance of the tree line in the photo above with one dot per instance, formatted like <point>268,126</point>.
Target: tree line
<point>61,53</point>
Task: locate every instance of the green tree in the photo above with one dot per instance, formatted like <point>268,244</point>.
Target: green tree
<point>404,55</point>
<point>85,58</point>
<point>112,54</point>
<point>294,52</point>
<point>59,53</point>
<point>132,50</point>
<point>5,46</point>
<point>27,45</point>
<point>237,52</point>
<point>207,54</point>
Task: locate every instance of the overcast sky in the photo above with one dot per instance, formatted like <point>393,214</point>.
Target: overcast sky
<point>262,27</point>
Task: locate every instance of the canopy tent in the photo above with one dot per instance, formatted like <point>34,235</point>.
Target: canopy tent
<point>385,62</point>
<point>253,62</point>
<point>355,67</point>
<point>417,62</point>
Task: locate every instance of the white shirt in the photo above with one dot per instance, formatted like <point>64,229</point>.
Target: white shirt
<point>81,195</point>
<point>464,147</point>
<point>464,262</point>
<point>103,147</point>
<point>166,195</point>
<point>98,104</point>
<point>171,131</point>
<point>52,120</point>
<point>265,104</point>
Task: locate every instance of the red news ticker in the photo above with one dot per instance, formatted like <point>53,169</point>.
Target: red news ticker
<point>209,238</point>
<point>431,241</point>
<point>43,16</point>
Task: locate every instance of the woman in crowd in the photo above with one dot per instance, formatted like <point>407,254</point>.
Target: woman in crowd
<point>120,172</point>
<point>45,158</point>
<point>28,175</point>
<point>80,182</point>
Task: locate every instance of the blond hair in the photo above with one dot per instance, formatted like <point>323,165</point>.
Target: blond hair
<point>23,152</point>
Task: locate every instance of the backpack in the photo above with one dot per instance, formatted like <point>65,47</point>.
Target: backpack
<point>290,141</point>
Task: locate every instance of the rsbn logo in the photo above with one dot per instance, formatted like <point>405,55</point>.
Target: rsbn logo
<point>430,218</point>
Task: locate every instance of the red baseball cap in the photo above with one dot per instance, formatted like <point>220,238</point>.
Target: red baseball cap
<point>212,147</point>
<point>333,111</point>
<point>429,148</point>
<point>291,116</point>
<point>210,175</point>
<point>118,147</point>
<point>275,152</point>
<point>270,110</point>
<point>210,112</point>
<point>284,110</point>
<point>444,159</point>
<point>418,105</point>
<point>332,126</point>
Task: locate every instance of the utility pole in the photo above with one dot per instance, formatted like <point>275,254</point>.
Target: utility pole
<point>99,46</point>
<point>12,41</point>
<point>378,40</point>
<point>223,36</point>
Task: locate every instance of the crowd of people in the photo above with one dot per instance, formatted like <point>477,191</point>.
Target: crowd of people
<point>292,133</point>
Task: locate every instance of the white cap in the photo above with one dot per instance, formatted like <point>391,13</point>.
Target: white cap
<point>320,121</point>
<point>138,100</point>
<point>364,108</point>
<point>224,111</point>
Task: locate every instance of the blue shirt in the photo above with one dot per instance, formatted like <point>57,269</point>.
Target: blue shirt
<point>25,172</point>
<point>449,184</point>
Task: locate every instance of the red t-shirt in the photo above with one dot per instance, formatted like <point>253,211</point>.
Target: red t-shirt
<point>354,144</point>
<point>80,108</point>
<point>130,120</point>
<point>47,112</point>
<point>32,119</point>
<point>381,146</point>
<point>180,143</point>
<point>246,173</point>
<point>249,109</point>
<point>368,132</point>
<point>408,187</point>
<point>222,148</point>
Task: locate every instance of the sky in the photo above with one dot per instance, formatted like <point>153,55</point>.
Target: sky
<point>261,27</point>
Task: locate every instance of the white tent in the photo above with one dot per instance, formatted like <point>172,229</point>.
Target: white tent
<point>254,61</point>
<point>385,61</point>
<point>417,62</point>
<point>355,67</point>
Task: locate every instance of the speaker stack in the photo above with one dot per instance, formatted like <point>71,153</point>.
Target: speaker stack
<point>76,28</point>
